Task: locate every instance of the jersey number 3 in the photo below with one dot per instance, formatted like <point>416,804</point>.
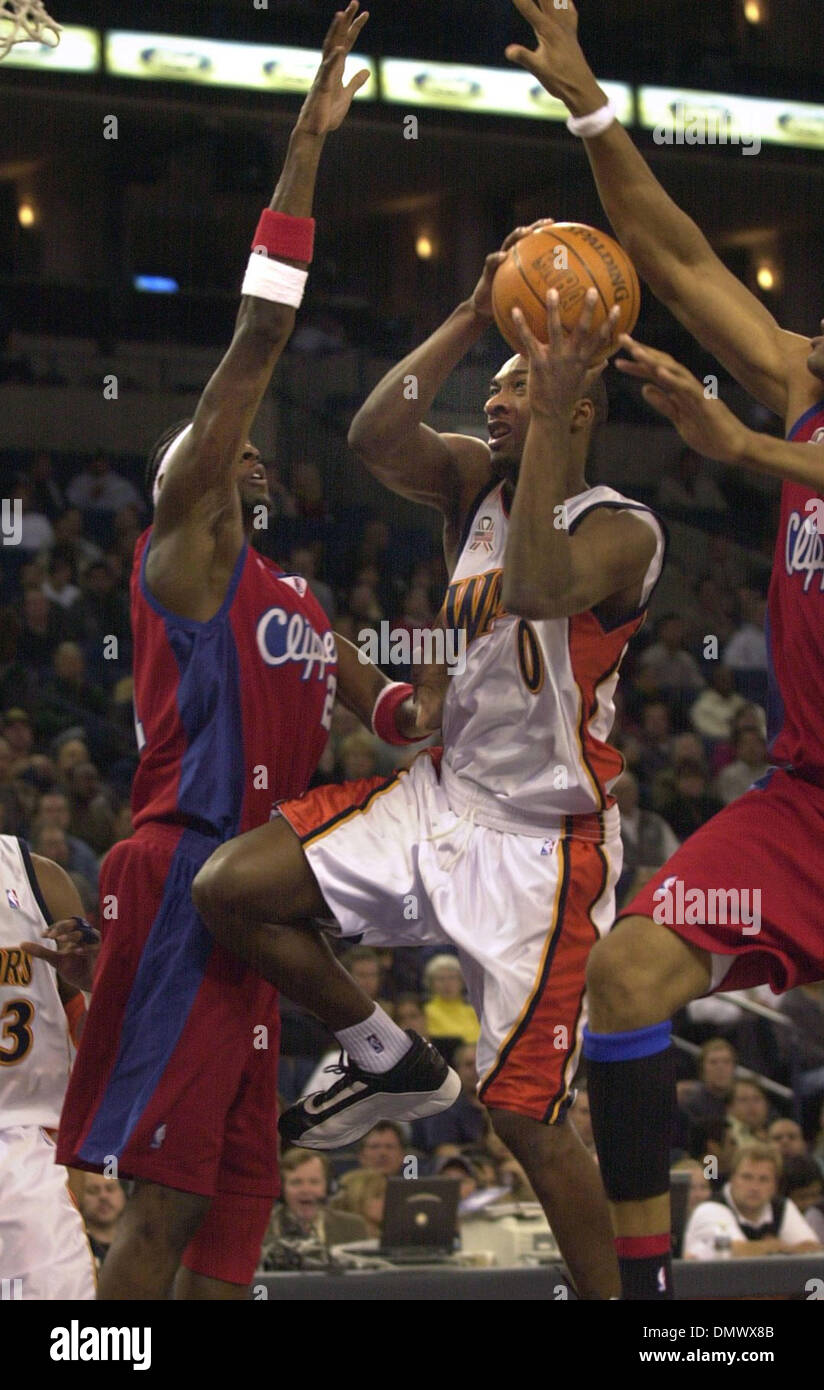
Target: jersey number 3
<point>15,1017</point>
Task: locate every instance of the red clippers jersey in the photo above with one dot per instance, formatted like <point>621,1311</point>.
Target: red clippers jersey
<point>795,624</point>
<point>233,714</point>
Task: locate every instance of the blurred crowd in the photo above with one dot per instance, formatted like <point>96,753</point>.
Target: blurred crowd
<point>690,724</point>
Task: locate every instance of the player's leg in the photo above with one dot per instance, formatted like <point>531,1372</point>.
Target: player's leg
<point>347,851</point>
<point>566,1182</point>
<point>638,977</point>
<point>257,896</point>
<point>157,1225</point>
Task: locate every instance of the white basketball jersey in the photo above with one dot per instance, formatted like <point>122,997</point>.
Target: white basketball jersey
<point>525,724</point>
<point>35,1054</point>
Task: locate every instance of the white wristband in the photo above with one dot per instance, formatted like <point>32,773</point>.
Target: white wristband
<point>274,280</point>
<point>585,127</point>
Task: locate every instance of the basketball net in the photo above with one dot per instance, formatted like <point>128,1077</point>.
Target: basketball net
<point>22,20</point>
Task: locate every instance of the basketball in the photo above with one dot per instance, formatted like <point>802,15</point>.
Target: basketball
<point>571,258</point>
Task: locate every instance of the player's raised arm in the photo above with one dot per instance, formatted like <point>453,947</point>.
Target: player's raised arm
<point>669,251</point>
<point>711,429</point>
<point>198,481</point>
<point>388,433</point>
<point>551,571</point>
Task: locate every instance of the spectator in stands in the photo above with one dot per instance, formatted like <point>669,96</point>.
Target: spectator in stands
<point>363,965</point>
<point>751,763</point>
<point>54,810</point>
<point>464,1122</point>
<point>99,488</point>
<point>19,735</point>
<point>17,677</point>
<point>68,531</point>
<point>714,611</point>
<point>747,648</point>
<point>656,740</point>
<point>712,1142</point>
<point>103,610</point>
<point>60,587</point>
<point>101,1207</point>
<point>461,1169</point>
<point>302,561</point>
<point>788,1137</point>
<point>362,1192</point>
<point>749,1109</point>
<point>47,494</point>
<point>716,1075</point>
<point>803,1182</point>
<point>303,1213</point>
<point>409,1013</point>
<point>36,531</point>
<point>70,749</point>
<point>92,818</point>
<point>283,503</point>
<point>684,798</point>
<point>749,1213</point>
<point>647,839</point>
<point>69,698</point>
<point>448,1015</point>
<point>382,1149</point>
<point>44,627</point>
<point>689,487</point>
<point>667,660</point>
<point>711,715</point>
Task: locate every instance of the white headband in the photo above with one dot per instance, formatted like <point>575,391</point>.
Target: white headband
<point>166,460</point>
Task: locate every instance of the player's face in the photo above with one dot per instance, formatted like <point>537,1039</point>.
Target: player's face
<point>507,415</point>
<point>815,361</point>
<point>252,479</point>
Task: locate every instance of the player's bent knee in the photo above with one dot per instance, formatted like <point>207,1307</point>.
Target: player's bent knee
<point>626,983</point>
<point>217,889</point>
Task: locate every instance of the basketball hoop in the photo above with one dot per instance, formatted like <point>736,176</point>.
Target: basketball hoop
<point>26,20</point>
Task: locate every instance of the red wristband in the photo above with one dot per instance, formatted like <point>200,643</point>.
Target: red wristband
<point>289,237</point>
<point>386,707</point>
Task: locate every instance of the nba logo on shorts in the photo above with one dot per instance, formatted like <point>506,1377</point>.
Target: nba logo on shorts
<point>158,1137</point>
<point>14,901</point>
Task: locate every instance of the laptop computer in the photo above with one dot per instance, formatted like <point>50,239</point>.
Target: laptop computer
<point>420,1222</point>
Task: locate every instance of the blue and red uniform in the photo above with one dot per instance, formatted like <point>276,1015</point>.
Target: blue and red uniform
<point>771,840</point>
<point>176,1075</point>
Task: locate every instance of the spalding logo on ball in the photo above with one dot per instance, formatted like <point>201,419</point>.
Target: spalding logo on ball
<point>570,258</point>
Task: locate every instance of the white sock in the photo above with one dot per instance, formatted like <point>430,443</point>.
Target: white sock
<point>376,1044</point>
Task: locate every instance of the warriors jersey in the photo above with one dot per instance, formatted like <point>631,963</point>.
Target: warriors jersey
<point>35,1053</point>
<point>526,720</point>
<point>232,714</point>
<point>795,622</point>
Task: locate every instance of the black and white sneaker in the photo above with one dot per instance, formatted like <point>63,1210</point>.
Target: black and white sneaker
<point>420,1084</point>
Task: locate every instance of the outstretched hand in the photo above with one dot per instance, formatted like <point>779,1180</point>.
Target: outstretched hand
<point>558,369</point>
<point>704,423</point>
<point>328,101</point>
<point>558,60</point>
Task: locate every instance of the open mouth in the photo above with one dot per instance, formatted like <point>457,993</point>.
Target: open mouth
<point>498,432</point>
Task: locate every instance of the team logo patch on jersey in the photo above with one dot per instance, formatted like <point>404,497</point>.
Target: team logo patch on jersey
<point>14,901</point>
<point>158,1137</point>
<point>818,437</point>
<point>484,534</point>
